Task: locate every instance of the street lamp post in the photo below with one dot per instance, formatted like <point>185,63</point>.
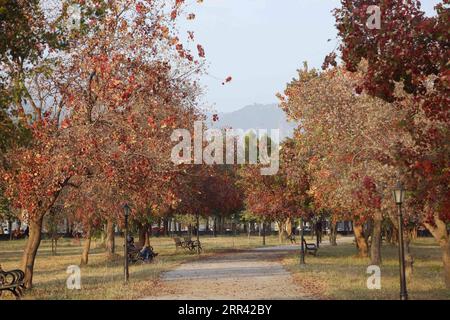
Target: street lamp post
<point>126,209</point>
<point>399,196</point>
<point>198,234</point>
<point>302,245</point>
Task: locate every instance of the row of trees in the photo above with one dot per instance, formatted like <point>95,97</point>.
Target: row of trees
<point>408,67</point>
<point>349,141</point>
<point>97,105</point>
<point>277,198</point>
<point>380,117</point>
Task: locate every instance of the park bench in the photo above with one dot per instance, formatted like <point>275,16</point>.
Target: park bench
<point>192,246</point>
<point>188,244</point>
<point>178,243</point>
<point>12,281</point>
<point>310,248</point>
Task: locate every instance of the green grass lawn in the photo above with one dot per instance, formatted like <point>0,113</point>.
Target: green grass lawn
<point>103,279</point>
<point>337,274</point>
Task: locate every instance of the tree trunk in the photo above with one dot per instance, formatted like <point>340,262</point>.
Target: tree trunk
<point>221,224</point>
<point>207,226</point>
<point>333,232</point>
<point>67,227</point>
<point>413,233</point>
<point>394,235</point>
<point>367,231</point>
<point>86,246</point>
<point>361,242</point>
<point>446,261</point>
<point>110,241</point>
<point>375,247</point>
<point>29,254</point>
<point>388,233</point>
<point>103,239</point>
<point>166,227</point>
<point>264,233</point>
<point>143,230</point>
<point>288,226</point>
<point>318,227</point>
<point>10,229</point>
<point>158,233</point>
<point>440,233</point>
<point>174,227</point>
<point>281,231</point>
<point>147,239</point>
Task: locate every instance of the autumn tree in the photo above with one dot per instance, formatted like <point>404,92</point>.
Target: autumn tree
<point>224,199</point>
<point>103,109</point>
<point>409,50</point>
<point>18,46</point>
<point>343,133</point>
<point>280,197</point>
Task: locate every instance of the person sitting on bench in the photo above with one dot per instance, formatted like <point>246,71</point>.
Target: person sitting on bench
<point>145,252</point>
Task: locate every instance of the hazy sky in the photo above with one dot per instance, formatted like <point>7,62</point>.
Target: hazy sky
<point>261,44</point>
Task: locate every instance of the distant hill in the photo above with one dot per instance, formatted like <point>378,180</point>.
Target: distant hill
<point>257,116</point>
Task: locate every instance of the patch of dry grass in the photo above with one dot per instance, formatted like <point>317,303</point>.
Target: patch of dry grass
<point>337,274</point>
<point>103,279</point>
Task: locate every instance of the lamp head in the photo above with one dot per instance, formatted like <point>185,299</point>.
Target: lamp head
<point>399,193</point>
<point>126,209</point>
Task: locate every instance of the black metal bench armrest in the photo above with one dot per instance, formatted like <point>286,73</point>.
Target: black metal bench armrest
<point>9,286</point>
<point>12,281</point>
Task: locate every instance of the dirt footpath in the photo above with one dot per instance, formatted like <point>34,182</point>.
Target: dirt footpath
<point>254,274</point>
